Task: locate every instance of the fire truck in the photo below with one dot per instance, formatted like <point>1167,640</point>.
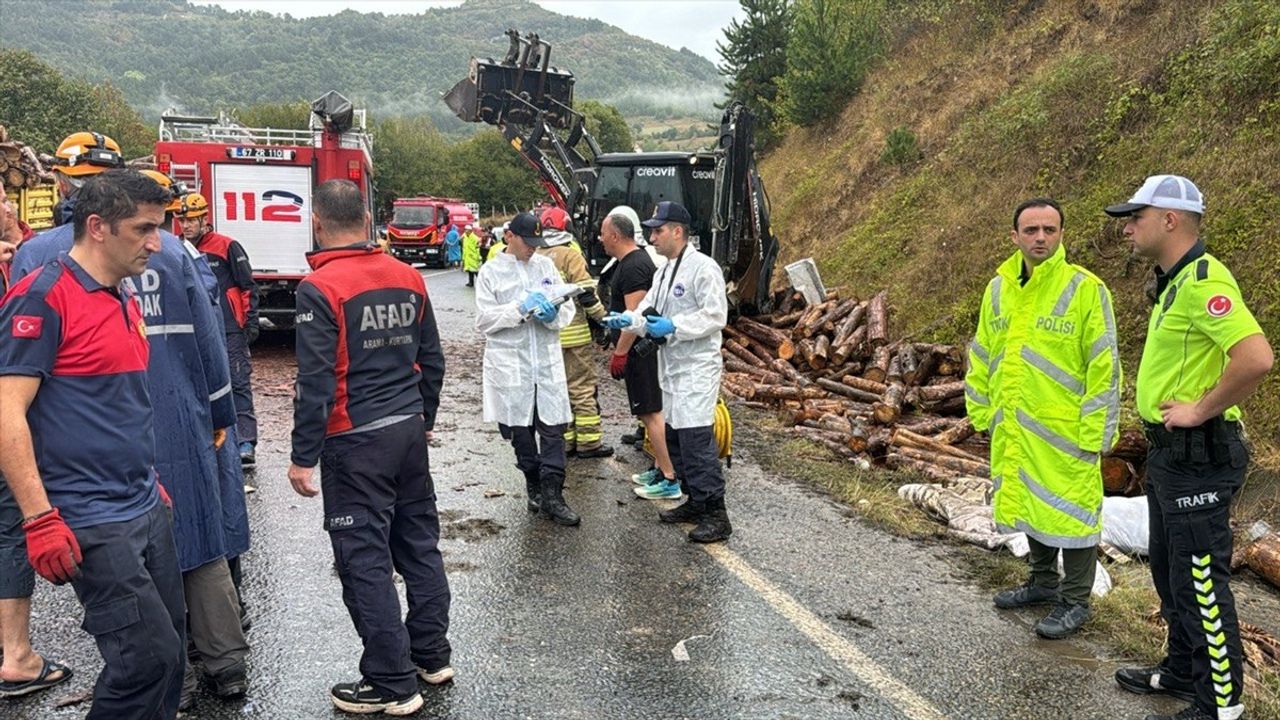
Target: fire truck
<point>259,181</point>
<point>418,225</point>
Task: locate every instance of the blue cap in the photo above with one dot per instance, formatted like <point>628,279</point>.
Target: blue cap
<point>668,211</point>
<point>527,226</point>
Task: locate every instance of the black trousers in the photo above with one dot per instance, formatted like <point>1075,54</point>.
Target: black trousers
<point>1079,569</point>
<point>696,458</point>
<point>1190,506</point>
<point>539,449</point>
<point>380,512</point>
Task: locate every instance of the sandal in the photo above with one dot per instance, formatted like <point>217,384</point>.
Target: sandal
<point>15,688</point>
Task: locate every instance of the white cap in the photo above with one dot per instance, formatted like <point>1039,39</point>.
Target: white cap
<point>630,214</point>
<point>1171,192</point>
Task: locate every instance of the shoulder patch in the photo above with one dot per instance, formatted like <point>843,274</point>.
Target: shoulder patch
<point>1218,306</point>
<point>1202,269</point>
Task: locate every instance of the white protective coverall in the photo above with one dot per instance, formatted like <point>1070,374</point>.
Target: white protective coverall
<point>522,361</point>
<point>689,290</point>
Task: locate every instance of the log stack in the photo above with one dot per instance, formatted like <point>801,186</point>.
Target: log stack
<point>20,166</point>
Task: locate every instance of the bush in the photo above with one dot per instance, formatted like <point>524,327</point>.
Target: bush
<point>901,148</point>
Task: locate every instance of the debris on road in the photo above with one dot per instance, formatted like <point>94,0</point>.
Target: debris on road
<point>494,493</point>
<point>680,653</point>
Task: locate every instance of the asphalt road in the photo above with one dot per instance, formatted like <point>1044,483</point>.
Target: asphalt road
<point>805,613</point>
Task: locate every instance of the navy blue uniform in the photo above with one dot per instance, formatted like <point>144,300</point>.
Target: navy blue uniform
<point>370,369</point>
<point>87,344</point>
<point>238,296</point>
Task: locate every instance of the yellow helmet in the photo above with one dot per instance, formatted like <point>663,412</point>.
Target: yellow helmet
<point>192,205</point>
<point>87,153</point>
<point>166,182</point>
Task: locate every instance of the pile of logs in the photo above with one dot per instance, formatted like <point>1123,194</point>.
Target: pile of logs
<point>833,368</point>
<point>20,166</point>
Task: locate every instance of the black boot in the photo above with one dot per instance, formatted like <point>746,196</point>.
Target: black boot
<point>532,492</point>
<point>687,512</point>
<point>553,504</point>
<point>714,525</point>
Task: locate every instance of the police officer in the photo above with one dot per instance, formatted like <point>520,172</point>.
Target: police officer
<point>231,267</point>
<point>686,308</point>
<point>1044,380</point>
<point>1204,354</point>
<point>75,355</point>
<point>524,379</point>
<point>370,369</point>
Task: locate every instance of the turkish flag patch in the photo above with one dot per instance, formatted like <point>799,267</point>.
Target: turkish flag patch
<point>27,326</point>
<point>1218,306</point>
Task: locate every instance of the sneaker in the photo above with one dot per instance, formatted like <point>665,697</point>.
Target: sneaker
<point>602,451</point>
<point>664,489</point>
<point>1156,679</point>
<point>1024,596</point>
<point>1063,620</point>
<point>356,697</point>
<point>1189,713</point>
<point>232,684</point>
<point>247,456</point>
<point>648,477</point>
<point>439,676</point>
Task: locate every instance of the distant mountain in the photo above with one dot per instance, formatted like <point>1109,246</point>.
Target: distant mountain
<point>164,53</point>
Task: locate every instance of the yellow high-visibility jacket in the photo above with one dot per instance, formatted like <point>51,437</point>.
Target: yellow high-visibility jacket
<point>1044,379</point>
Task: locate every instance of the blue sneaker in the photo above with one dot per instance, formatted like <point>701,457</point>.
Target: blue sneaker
<point>247,454</point>
<point>648,477</point>
<point>662,490</point>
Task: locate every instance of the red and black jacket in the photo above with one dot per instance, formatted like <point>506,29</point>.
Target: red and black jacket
<point>367,345</point>
<point>230,265</point>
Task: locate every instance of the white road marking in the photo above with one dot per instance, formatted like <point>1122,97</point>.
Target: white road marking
<point>854,660</point>
<point>425,274</point>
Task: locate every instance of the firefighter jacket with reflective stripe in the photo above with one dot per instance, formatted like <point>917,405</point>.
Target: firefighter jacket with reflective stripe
<point>1044,379</point>
<point>368,348</point>
<point>573,269</point>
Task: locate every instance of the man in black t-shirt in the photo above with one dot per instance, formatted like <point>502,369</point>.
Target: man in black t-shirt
<point>630,281</point>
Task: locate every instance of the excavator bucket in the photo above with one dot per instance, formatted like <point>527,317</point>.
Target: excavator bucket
<point>516,89</point>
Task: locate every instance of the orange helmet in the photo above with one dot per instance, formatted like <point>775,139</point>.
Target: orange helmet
<point>555,218</point>
<point>166,182</point>
<point>192,205</point>
<point>87,153</point>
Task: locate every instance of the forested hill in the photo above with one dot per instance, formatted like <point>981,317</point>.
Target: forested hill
<point>165,53</point>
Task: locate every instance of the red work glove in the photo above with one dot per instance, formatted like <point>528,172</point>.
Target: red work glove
<point>164,496</point>
<point>617,365</point>
<point>52,548</point>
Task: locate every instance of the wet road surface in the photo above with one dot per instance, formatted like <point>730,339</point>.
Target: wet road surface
<point>806,613</point>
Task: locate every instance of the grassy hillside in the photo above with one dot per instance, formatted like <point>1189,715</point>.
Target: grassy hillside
<point>165,53</point>
<point>1075,100</point>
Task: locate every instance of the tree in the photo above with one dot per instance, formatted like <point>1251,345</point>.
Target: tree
<point>833,44</point>
<point>295,115</point>
<point>409,158</point>
<point>753,56</point>
<point>607,126</point>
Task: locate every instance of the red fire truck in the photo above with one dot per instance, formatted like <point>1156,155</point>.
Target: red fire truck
<point>418,226</point>
<point>258,182</point>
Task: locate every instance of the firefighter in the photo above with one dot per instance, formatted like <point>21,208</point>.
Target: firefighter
<point>1204,355</point>
<point>239,295</point>
<point>370,369</point>
<point>524,388</point>
<point>684,311</point>
<point>1044,381</point>
<point>584,437</point>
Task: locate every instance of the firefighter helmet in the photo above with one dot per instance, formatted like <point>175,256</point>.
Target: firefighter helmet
<point>555,218</point>
<point>192,205</point>
<point>164,180</point>
<point>87,153</point>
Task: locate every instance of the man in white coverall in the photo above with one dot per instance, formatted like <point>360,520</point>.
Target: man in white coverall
<point>683,314</point>
<point>524,380</point>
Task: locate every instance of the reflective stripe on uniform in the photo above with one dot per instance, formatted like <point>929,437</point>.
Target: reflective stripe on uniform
<point>995,296</point>
<point>1047,366</point>
<point>220,392</point>
<point>177,329</point>
<point>972,393</point>
<point>1068,294</point>
<point>980,351</point>
<point>1112,423</point>
<point>1054,439</point>
<point>1060,504</point>
<point>1050,539</point>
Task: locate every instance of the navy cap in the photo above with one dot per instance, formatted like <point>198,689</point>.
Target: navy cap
<point>666,212</point>
<point>527,226</point>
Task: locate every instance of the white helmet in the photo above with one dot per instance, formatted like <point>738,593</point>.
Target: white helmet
<point>631,215</point>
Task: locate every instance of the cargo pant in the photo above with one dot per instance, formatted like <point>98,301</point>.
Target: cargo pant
<point>380,512</point>
<point>213,609</point>
<point>1079,568</point>
<point>1189,493</point>
<point>131,590</point>
<point>580,371</point>
<point>696,457</point>
<point>242,387</point>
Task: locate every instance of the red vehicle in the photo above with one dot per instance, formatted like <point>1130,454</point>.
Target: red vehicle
<point>419,224</point>
<point>258,182</point>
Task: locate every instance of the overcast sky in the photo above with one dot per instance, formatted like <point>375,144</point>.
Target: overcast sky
<point>695,24</point>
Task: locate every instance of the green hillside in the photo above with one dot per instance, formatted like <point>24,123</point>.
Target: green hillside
<point>164,53</point>
<point>1075,100</point>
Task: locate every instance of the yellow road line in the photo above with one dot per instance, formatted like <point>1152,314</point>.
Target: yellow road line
<point>864,668</point>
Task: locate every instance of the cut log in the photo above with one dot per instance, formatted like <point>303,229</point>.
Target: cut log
<point>834,422</point>
<point>821,352</point>
<point>850,322</point>
<point>851,345</point>
<point>929,470</point>
<point>926,362</point>
<point>834,444</point>
<point>14,177</point>
<point>960,465</point>
<point>887,410</point>
<point>755,346</point>
<point>957,434</point>
<point>736,349</point>
<point>927,425</point>
<point>784,368</point>
<point>792,301</point>
<point>1263,557</point>
<point>867,386</point>
<point>906,361</point>
<point>938,393</point>
<point>787,320</point>
<point>878,368</point>
<point>807,325</point>
<point>878,442</point>
<point>1117,475</point>
<point>953,407</point>
<point>774,339</point>
<point>849,392</point>
<point>827,323</point>
<point>760,374</point>
<point>742,388</point>
<point>948,368</point>
<point>835,372</point>
<point>786,392</point>
<point>903,437</point>
<point>878,319</point>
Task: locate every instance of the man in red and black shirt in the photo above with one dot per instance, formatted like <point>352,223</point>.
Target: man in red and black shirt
<point>77,448</point>
<point>370,369</point>
<point>239,295</point>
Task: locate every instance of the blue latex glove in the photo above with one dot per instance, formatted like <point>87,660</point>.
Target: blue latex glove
<point>532,301</point>
<point>659,326</point>
<point>546,312</point>
<point>617,321</point>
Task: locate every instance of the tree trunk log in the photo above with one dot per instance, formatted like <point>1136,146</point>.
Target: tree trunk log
<point>821,353</point>
<point>742,388</point>
<point>957,434</point>
<point>850,322</point>
<point>787,320</point>
<point>960,465</point>
<point>1263,557</point>
<point>928,425</point>
<point>878,319</point>
<point>878,369</point>
<point>938,393</point>
<point>760,374</point>
<point>926,362</point>
<point>786,392</point>
<point>933,472</point>
<point>870,387</point>
<point>774,339</point>
<point>784,368</point>
<point>887,410</point>
<point>807,325</point>
<point>845,390</point>
<point>905,438</point>
<point>850,345</point>
<point>827,323</point>
<point>736,349</point>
